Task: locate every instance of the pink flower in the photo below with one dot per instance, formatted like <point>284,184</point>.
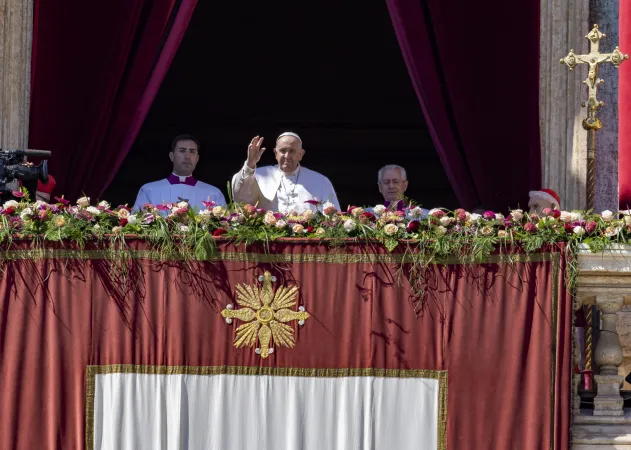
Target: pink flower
<point>148,206</point>
<point>313,202</point>
<point>555,213</point>
<point>546,211</point>
<point>162,208</point>
<point>62,200</point>
<point>43,214</point>
<point>530,228</point>
<point>17,194</point>
<point>534,218</point>
<point>438,213</point>
<point>147,219</point>
<point>219,231</point>
<point>208,205</point>
<point>462,216</point>
<point>590,227</point>
<point>489,215</point>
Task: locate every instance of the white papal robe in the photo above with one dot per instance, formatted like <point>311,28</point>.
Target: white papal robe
<point>175,189</point>
<point>274,190</point>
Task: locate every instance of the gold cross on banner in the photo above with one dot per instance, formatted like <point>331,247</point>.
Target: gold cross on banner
<point>592,123</point>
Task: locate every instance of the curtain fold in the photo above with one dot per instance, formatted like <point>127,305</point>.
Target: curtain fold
<point>475,70</point>
<point>99,67</point>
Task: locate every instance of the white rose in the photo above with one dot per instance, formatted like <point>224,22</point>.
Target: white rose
<point>611,231</point>
<point>132,220</point>
<point>117,230</point>
<point>607,215</point>
<point>182,204</point>
<point>627,220</point>
<point>205,213</point>
<point>184,228</point>
<point>281,223</point>
<point>499,216</point>
<point>445,220</point>
<point>415,212</point>
<point>379,210</point>
<point>93,210</point>
<point>96,227</point>
<point>10,203</point>
<point>390,229</point>
<point>104,204</point>
<point>297,228</point>
<point>308,214</point>
<point>565,216</point>
<point>350,225</point>
<point>237,219</point>
<point>576,216</point>
<point>26,212</point>
<point>122,213</point>
<point>83,202</point>
<point>579,231</point>
<point>440,230</point>
<point>39,204</point>
<point>357,211</point>
<point>269,219</point>
<point>475,217</point>
<point>320,231</point>
<point>517,214</point>
<point>219,211</point>
<point>224,223</point>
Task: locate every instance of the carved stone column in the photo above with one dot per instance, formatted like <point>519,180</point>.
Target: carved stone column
<point>608,357</point>
<point>16,30</point>
<point>563,26</point>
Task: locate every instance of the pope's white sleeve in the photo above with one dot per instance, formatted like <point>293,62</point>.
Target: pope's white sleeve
<point>332,196</point>
<point>245,189</point>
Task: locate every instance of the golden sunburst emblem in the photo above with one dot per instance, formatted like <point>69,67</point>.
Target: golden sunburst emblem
<point>265,312</point>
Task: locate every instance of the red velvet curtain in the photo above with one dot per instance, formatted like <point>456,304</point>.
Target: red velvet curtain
<point>624,111</point>
<point>97,67</point>
<point>475,69</point>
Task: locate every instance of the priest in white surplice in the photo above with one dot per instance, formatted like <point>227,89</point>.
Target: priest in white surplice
<point>284,187</point>
<point>180,185</point>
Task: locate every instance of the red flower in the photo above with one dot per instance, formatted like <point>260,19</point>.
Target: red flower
<point>310,228</point>
<point>590,227</point>
<point>123,222</point>
<point>438,213</point>
<point>313,202</point>
<point>219,231</point>
<point>208,205</point>
<point>530,228</point>
<point>162,207</point>
<point>10,210</point>
<point>414,226</point>
<point>569,227</point>
<point>367,215</point>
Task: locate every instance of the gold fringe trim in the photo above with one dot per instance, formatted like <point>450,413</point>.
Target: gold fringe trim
<point>330,258</point>
<point>93,371</point>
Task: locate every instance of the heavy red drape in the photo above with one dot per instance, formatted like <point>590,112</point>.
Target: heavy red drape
<point>624,111</point>
<point>475,69</point>
<point>501,331</point>
<point>97,67</point>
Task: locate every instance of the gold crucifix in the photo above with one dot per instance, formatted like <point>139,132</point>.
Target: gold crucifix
<point>592,123</point>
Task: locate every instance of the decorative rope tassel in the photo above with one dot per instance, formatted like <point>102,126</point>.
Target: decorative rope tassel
<point>587,373</point>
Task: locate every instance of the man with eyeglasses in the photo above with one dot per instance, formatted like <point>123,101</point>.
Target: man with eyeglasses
<point>392,182</point>
<point>180,185</point>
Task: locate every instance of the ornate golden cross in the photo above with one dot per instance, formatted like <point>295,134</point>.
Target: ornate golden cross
<point>592,123</point>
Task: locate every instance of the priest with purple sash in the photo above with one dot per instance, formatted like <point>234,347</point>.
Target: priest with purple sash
<point>180,185</point>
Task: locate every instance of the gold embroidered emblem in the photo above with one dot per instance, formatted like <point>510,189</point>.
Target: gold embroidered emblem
<point>264,311</point>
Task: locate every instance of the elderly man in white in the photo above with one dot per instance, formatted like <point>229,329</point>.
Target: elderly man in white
<point>284,187</point>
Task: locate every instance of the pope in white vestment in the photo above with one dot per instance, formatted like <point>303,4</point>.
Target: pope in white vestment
<point>180,185</point>
<point>284,187</point>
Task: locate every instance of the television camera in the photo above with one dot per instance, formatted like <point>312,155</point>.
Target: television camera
<point>15,169</point>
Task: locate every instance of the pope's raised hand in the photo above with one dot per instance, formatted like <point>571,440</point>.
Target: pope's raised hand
<point>255,151</point>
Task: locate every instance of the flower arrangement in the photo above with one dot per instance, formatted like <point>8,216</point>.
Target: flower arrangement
<point>178,226</point>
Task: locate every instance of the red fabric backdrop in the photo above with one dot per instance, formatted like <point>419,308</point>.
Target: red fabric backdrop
<point>624,110</point>
<point>502,332</point>
<point>475,69</point>
<point>97,67</point>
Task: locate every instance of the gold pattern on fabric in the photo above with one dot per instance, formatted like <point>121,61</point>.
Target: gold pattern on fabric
<point>93,371</point>
<point>263,310</point>
<point>330,257</point>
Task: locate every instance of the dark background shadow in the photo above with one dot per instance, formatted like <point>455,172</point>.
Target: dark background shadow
<point>331,71</point>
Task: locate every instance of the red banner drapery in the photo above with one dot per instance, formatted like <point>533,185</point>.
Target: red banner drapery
<point>501,331</point>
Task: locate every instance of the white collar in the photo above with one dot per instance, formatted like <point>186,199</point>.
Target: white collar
<point>181,177</point>
<point>287,175</point>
